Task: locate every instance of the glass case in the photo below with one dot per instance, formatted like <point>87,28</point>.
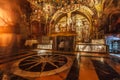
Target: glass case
<point>44,46</point>
<point>91,48</point>
<point>113,41</point>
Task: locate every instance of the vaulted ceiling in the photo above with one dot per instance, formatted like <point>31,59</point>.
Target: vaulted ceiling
<point>103,11</point>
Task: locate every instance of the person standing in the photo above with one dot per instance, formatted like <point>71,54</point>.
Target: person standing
<point>61,45</point>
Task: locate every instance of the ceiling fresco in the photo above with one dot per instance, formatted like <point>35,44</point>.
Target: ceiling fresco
<point>97,11</point>
<point>101,14</point>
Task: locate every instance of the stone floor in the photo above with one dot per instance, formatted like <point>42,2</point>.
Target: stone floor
<point>48,65</point>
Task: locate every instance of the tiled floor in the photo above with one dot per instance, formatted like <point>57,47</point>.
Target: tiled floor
<point>37,65</point>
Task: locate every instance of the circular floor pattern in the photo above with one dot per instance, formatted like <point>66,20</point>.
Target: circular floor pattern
<point>42,65</point>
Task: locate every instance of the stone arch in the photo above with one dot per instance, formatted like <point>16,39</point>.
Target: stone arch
<point>81,9</point>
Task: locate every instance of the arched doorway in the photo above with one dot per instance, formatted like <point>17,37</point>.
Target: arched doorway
<point>72,22</point>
